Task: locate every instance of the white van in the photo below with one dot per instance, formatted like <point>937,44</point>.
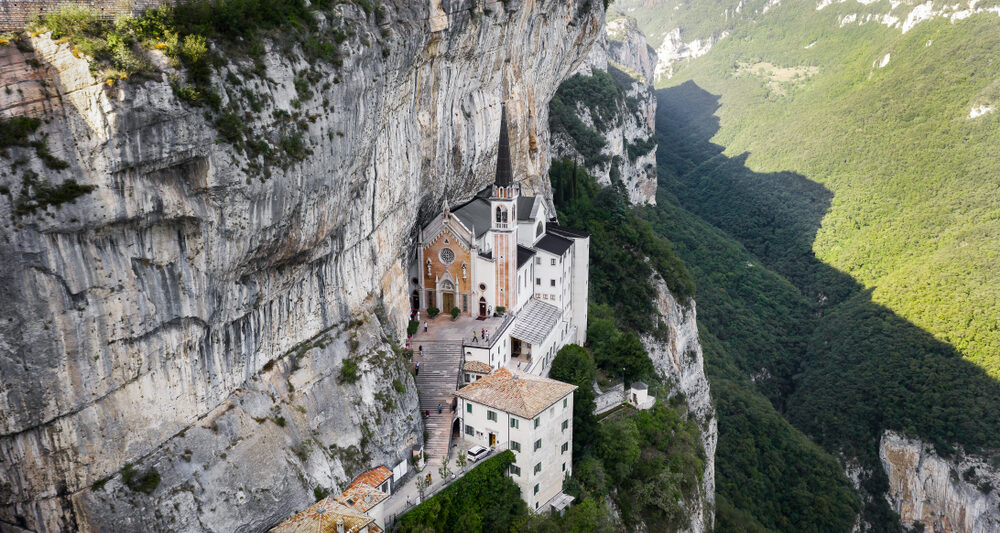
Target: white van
<point>477,452</point>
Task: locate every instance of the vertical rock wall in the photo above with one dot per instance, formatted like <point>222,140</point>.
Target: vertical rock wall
<point>631,142</point>
<point>679,361</point>
<point>188,281</point>
<point>945,495</point>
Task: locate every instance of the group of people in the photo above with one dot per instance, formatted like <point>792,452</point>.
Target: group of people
<point>482,334</point>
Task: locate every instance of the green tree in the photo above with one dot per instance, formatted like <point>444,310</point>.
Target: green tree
<point>572,364</point>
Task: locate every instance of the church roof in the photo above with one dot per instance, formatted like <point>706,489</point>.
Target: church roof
<point>524,255</point>
<point>322,517</point>
<point>553,244</point>
<point>475,214</point>
<point>526,207</point>
<point>535,321</point>
<point>563,231</point>
<point>505,175</point>
<point>515,392</point>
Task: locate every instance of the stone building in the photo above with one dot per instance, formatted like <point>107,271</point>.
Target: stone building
<point>503,253</point>
<point>533,417</point>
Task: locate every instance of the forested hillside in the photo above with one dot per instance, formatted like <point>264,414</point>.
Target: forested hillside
<point>830,180</point>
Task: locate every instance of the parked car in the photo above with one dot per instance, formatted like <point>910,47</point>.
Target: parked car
<point>477,452</point>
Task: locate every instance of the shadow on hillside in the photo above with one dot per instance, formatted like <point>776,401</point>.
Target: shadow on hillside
<point>862,369</point>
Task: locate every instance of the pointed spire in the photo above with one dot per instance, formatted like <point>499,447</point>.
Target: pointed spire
<point>505,176</point>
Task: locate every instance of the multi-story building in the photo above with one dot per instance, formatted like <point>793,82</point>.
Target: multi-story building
<point>502,253</point>
<point>533,417</point>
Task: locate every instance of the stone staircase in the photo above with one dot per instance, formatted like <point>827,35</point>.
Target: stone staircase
<point>436,382</point>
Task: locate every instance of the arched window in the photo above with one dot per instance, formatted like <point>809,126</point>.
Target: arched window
<point>539,229</point>
<point>504,215</point>
<point>498,213</point>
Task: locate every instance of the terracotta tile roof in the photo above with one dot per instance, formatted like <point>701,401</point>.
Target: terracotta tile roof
<point>363,494</point>
<point>373,478</point>
<point>478,367</point>
<point>322,517</point>
<point>517,393</point>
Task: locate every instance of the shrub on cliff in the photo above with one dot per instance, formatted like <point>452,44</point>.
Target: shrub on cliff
<point>145,482</point>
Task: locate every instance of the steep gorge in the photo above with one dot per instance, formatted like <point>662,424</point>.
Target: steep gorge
<point>627,99</point>
<point>191,315</point>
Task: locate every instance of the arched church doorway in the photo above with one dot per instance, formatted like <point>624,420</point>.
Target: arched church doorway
<point>456,428</point>
<point>447,296</point>
<point>415,300</point>
<point>482,307</point>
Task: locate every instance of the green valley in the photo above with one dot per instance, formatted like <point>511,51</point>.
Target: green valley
<point>831,183</point>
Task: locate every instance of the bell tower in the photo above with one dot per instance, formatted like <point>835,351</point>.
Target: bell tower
<point>503,208</point>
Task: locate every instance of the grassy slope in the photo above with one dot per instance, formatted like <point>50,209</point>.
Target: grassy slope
<point>873,199</point>
<point>914,212</point>
<point>871,191</point>
<point>770,477</point>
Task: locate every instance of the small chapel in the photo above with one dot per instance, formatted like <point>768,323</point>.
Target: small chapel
<point>502,253</point>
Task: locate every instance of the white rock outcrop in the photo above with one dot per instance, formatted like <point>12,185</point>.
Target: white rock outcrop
<point>960,494</point>
<point>189,279</point>
<point>631,142</point>
<point>679,361</point>
<point>673,50</point>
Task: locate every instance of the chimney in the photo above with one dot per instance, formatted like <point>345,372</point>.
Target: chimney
<point>340,525</point>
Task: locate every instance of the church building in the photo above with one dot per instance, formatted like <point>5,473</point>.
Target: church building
<point>502,253</point>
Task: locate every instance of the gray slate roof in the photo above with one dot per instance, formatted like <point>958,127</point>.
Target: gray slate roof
<point>524,255</point>
<point>554,244</point>
<point>525,204</point>
<point>563,231</point>
<point>475,214</point>
<point>535,321</point>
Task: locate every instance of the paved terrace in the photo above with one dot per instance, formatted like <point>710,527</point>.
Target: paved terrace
<point>439,372</point>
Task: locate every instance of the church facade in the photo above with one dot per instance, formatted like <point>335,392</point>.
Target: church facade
<point>502,253</point>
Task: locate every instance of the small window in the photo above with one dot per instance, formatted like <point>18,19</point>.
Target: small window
<point>538,468</point>
<point>538,281</point>
<point>552,283</point>
<point>468,408</point>
<point>537,420</point>
<point>536,492</point>
<point>538,260</point>
<point>553,262</point>
<point>516,446</point>
<point>514,470</point>
<point>515,423</point>
<point>468,379</point>
<point>565,402</point>
<point>565,447</point>
<point>491,415</point>
<point>564,467</point>
<point>565,425</point>
<point>482,286</point>
<point>538,444</point>
<point>469,430</point>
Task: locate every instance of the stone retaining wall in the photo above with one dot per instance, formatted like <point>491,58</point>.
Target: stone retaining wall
<point>16,14</point>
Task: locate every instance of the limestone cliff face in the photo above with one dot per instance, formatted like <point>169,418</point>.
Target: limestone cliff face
<point>160,319</point>
<point>631,142</point>
<point>960,495</point>
<point>680,362</point>
<point>673,50</point>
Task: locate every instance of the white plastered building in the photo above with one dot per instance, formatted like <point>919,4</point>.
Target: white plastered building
<point>530,415</point>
